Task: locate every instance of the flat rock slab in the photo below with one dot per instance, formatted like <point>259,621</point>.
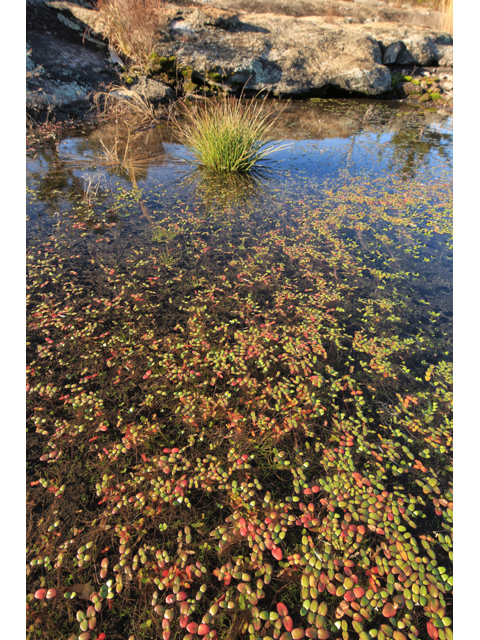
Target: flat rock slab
<point>338,11</point>
<point>296,56</point>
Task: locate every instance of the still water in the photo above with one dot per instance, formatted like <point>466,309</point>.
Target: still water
<point>296,324</point>
<point>384,173</point>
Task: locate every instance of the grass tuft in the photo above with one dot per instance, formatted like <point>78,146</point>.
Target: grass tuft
<point>228,135</point>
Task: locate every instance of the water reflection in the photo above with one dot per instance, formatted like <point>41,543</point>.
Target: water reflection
<point>120,151</point>
<point>412,148</point>
<point>55,179</point>
<point>225,194</point>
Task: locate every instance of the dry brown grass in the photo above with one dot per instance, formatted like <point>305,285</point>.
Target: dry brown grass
<point>132,25</point>
<point>446,7</point>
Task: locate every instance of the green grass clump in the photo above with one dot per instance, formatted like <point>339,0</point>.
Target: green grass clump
<point>228,135</point>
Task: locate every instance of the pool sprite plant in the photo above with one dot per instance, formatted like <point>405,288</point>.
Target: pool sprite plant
<point>227,135</point>
<point>255,443</point>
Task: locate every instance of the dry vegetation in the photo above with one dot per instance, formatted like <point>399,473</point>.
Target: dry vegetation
<point>444,6</point>
<point>132,25</point>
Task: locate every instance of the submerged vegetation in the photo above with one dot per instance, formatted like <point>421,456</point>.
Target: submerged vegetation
<point>227,135</point>
<point>239,425</point>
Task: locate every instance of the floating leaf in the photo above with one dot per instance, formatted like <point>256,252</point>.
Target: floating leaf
<point>277,553</point>
<point>389,610</point>
<point>288,623</point>
<point>203,629</point>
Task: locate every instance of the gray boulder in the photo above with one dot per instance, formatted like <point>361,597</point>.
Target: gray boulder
<point>405,89</point>
<point>445,53</point>
<point>391,52</point>
<point>153,91</point>
<point>285,56</point>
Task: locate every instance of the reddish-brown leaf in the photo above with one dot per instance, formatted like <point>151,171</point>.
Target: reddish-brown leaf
<point>389,610</point>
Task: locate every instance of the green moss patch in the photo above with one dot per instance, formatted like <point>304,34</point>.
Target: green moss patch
<point>190,87</point>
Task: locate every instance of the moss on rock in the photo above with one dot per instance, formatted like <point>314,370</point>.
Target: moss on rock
<point>187,73</point>
<point>190,87</point>
<point>160,64</point>
<point>214,76</point>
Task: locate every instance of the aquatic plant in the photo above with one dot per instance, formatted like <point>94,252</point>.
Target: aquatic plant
<point>228,135</point>
<point>255,443</point>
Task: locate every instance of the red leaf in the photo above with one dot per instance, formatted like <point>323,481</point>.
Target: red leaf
<point>148,373</point>
<point>192,627</point>
<point>287,623</point>
<point>432,631</point>
<point>277,553</point>
<point>282,610</point>
<point>40,594</point>
<point>203,629</point>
